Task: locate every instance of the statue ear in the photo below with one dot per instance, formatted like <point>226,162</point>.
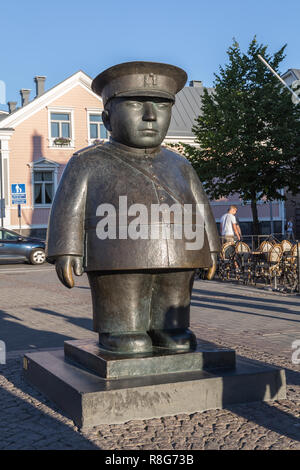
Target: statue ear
<point>106,119</point>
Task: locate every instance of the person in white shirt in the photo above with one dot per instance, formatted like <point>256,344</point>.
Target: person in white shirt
<point>229,227</point>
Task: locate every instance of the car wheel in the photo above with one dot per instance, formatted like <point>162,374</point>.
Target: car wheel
<point>37,256</point>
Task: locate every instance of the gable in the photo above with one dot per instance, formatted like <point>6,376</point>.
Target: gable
<point>79,80</point>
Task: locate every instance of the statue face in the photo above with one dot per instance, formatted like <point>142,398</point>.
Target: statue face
<point>140,122</point>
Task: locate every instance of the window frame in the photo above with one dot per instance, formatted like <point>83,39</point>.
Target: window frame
<point>98,112</point>
<point>51,139</point>
<point>43,183</point>
<point>43,166</point>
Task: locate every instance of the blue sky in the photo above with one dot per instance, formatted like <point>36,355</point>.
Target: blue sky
<point>57,38</point>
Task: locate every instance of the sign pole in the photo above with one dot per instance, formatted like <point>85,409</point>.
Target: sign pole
<point>19,215</point>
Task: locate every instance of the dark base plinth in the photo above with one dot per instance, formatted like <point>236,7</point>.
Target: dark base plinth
<point>160,361</point>
<point>91,400</point>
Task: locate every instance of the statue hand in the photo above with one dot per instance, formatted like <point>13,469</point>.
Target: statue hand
<point>64,266</point>
<point>211,271</point>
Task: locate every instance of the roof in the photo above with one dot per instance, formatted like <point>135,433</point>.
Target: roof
<point>296,72</point>
<point>39,102</point>
<point>291,75</point>
<point>186,109</point>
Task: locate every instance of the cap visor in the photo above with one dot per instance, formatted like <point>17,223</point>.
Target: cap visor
<point>147,92</point>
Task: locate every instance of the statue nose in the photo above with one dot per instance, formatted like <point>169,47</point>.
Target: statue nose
<point>149,112</point>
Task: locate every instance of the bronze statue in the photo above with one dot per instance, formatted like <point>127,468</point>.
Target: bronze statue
<point>140,286</point>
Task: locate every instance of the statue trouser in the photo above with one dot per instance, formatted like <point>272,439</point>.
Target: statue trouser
<point>136,310</point>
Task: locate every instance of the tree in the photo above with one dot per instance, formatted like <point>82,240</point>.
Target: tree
<point>249,132</point>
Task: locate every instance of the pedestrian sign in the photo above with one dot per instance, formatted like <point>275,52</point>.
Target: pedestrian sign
<point>18,193</point>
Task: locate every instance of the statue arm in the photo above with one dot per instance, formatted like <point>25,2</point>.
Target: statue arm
<point>65,234</point>
<point>209,221</point>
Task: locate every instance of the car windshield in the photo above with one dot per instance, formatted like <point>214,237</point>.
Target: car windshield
<point>6,235</point>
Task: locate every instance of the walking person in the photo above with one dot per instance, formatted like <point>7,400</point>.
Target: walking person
<point>229,226</point>
<point>290,230</point>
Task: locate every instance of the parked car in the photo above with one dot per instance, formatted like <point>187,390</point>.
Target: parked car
<point>14,246</point>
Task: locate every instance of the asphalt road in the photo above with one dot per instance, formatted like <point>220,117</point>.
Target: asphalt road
<point>20,267</point>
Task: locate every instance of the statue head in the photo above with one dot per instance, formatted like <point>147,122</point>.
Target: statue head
<point>138,99</point>
<point>137,121</point>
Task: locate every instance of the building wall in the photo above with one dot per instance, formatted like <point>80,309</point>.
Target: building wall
<point>293,212</point>
<point>244,214</point>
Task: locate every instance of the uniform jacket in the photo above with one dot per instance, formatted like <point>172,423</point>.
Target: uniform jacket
<point>102,173</point>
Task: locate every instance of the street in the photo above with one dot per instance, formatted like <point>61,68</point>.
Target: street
<point>37,312</point>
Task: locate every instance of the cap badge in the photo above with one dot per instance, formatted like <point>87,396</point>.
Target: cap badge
<point>150,80</point>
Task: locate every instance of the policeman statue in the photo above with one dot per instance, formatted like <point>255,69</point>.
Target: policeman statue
<point>140,276</point>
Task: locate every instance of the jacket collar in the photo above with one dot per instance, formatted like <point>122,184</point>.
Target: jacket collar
<point>132,150</point>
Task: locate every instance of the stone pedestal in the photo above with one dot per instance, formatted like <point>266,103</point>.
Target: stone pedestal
<point>159,361</point>
<point>93,387</point>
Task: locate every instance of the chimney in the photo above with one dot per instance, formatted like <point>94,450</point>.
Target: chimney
<point>40,85</point>
<point>196,84</point>
<point>12,106</point>
<point>24,96</point>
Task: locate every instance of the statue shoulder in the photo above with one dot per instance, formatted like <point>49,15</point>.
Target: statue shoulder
<point>90,150</point>
<point>169,152</point>
<point>91,154</point>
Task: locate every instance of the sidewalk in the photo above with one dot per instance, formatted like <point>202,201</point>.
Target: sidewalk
<point>37,312</point>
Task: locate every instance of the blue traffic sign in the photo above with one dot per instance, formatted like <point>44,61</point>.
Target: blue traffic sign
<point>18,193</point>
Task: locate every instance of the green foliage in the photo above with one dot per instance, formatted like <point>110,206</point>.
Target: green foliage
<point>249,132</point>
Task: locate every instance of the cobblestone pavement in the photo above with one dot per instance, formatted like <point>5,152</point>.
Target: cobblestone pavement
<point>37,313</point>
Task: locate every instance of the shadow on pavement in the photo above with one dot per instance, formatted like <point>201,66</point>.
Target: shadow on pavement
<point>24,425</point>
<point>269,416</point>
<point>18,336</point>
<point>279,299</point>
<point>82,322</point>
<point>211,302</point>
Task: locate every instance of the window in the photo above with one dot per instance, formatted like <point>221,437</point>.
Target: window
<point>60,125</point>
<point>97,128</point>
<point>43,182</point>
<point>61,128</point>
